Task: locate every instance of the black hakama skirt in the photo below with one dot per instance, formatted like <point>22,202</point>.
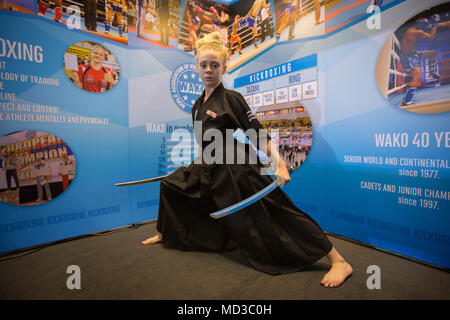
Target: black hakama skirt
<point>273,234</point>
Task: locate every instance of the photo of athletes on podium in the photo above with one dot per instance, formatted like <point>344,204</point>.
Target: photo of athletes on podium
<point>105,18</point>
<point>156,21</point>
<point>299,19</point>
<point>36,167</point>
<point>91,67</point>
<point>413,65</point>
<point>24,6</point>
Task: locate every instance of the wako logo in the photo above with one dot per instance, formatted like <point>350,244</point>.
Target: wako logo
<point>186,86</point>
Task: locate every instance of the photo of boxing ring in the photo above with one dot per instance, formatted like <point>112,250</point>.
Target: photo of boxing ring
<point>199,19</point>
<point>246,26</point>
<point>155,23</point>
<point>24,6</point>
<point>109,18</point>
<point>255,28</point>
<point>299,19</point>
<point>413,66</point>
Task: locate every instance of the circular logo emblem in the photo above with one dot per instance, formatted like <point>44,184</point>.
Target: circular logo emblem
<point>186,86</point>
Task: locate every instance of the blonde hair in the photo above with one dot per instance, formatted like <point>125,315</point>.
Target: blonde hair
<point>214,42</point>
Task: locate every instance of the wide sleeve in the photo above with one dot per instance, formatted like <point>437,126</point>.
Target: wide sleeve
<point>193,112</point>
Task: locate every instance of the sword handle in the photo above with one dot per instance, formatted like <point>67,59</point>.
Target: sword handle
<point>279,180</point>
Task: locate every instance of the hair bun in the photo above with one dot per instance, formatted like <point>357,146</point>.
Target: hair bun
<point>213,41</point>
<point>213,38</point>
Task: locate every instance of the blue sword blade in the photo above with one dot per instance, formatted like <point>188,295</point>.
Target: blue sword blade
<point>278,182</point>
<point>246,202</point>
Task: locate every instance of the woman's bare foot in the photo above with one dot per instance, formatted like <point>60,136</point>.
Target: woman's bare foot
<point>338,273</point>
<point>153,240</point>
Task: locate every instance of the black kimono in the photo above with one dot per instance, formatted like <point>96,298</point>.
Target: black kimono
<point>273,234</point>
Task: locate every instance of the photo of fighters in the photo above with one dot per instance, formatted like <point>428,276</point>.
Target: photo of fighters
<point>252,24</point>
<point>234,36</point>
<point>35,167</point>
<point>105,18</point>
<point>115,8</point>
<point>246,26</point>
<point>201,17</point>
<point>156,21</point>
<point>299,18</point>
<point>91,66</point>
<point>24,6</point>
<point>413,66</point>
<point>294,130</point>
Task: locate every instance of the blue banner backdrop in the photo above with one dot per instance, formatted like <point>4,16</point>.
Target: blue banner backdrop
<point>376,172</point>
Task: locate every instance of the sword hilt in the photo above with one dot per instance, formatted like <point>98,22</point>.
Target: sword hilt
<point>280,180</point>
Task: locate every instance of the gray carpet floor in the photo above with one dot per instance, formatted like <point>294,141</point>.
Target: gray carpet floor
<point>116,266</point>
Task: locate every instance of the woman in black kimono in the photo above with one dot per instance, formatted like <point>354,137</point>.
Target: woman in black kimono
<point>273,234</point>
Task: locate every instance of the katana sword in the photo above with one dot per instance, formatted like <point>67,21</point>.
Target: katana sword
<point>130,183</point>
<point>278,182</point>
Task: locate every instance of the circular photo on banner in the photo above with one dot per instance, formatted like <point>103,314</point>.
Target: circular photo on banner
<point>289,126</point>
<point>413,67</point>
<point>36,167</point>
<point>91,66</point>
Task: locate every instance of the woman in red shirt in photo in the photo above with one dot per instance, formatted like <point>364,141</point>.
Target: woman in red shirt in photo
<point>93,76</point>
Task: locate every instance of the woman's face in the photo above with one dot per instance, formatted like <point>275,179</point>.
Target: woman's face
<point>211,67</point>
<point>98,55</point>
